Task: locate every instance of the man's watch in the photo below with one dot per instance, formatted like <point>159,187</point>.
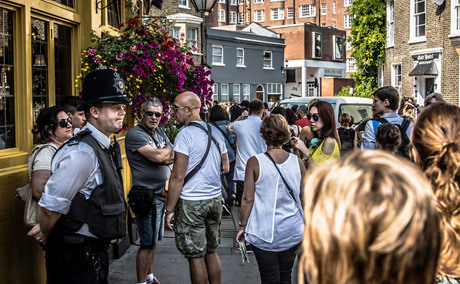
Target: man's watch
<point>170,211</point>
<point>241,225</point>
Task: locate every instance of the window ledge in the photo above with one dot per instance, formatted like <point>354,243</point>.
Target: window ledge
<point>454,35</point>
<point>218,64</point>
<point>269,68</point>
<point>241,66</point>
<point>307,16</point>
<point>185,7</point>
<point>390,45</point>
<point>417,40</point>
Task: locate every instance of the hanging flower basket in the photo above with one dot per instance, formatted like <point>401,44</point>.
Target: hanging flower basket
<point>152,63</point>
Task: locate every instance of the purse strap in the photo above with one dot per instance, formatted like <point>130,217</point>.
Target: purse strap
<point>210,138</point>
<point>285,182</point>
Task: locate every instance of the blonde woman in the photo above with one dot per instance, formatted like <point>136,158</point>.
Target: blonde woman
<point>436,140</point>
<point>366,221</point>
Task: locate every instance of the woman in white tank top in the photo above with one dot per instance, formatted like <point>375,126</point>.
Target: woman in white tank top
<point>271,211</point>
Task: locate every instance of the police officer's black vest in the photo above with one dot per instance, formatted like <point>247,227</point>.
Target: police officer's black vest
<point>105,210</point>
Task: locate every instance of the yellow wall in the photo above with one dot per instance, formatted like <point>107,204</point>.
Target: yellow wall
<point>21,258</point>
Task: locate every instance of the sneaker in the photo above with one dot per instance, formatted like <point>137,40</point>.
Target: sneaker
<point>153,281</point>
<point>226,211</point>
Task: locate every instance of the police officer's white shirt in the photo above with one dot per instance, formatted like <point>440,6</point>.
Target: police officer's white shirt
<point>192,142</point>
<point>74,169</point>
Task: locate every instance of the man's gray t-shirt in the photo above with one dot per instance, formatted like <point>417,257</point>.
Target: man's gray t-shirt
<point>144,172</point>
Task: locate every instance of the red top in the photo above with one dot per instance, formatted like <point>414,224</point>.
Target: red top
<point>302,122</point>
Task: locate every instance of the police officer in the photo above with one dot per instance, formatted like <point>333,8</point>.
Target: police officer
<point>83,206</point>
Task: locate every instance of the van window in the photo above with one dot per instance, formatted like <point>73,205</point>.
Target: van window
<point>359,112</point>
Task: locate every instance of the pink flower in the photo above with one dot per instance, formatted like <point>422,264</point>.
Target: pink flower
<point>92,51</point>
<point>133,48</point>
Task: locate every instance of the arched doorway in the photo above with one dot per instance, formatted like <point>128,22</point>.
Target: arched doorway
<point>260,92</point>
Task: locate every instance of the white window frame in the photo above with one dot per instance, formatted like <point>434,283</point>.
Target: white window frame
<point>413,22</point>
<point>335,39</point>
<point>391,23</point>
<point>314,38</point>
<point>222,93</point>
<point>221,15</point>
<point>176,32</point>
<point>240,2</point>
<point>323,9</point>
<point>454,18</point>
<point>306,11</point>
<point>274,88</point>
<point>258,1</point>
<point>351,65</point>
<point>246,92</point>
<point>236,95</point>
<point>259,16</point>
<point>247,17</point>
<point>233,18</point>
<point>347,21</point>
<point>276,14</point>
<point>241,18</point>
<point>241,57</point>
<point>349,47</point>
<point>347,3</point>
<point>214,94</point>
<point>289,12</point>
<point>192,35</point>
<point>217,63</point>
<point>333,7</point>
<point>233,3</point>
<point>221,1</point>
<point>394,81</point>
<point>270,67</point>
<point>333,24</point>
<point>184,6</point>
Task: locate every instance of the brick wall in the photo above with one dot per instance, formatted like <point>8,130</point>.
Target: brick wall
<point>437,36</point>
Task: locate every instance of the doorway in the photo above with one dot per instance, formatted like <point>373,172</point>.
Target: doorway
<point>429,86</point>
<point>260,92</point>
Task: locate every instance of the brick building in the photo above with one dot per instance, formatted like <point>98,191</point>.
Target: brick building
<point>423,49</point>
<point>269,13</point>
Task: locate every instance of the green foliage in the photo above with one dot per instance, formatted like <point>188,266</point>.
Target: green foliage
<point>171,130</point>
<point>368,41</point>
<point>345,92</point>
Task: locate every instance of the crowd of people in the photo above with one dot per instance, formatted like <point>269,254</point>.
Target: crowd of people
<point>376,202</point>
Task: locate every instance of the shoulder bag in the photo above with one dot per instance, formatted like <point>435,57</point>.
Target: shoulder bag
<point>285,182</point>
<point>24,193</point>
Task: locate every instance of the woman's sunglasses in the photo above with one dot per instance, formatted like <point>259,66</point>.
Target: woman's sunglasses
<point>315,117</point>
<point>64,122</point>
<point>150,113</point>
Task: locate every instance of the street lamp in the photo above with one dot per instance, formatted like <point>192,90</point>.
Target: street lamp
<point>203,6</point>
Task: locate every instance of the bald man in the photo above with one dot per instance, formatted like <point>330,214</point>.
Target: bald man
<point>195,202</point>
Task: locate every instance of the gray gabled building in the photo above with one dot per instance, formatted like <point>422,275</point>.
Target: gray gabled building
<point>247,63</point>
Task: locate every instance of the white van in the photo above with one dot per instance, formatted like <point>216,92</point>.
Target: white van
<point>359,108</point>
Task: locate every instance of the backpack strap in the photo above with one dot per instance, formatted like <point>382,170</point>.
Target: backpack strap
<point>200,164</point>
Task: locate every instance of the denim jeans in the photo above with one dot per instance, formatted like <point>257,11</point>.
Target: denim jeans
<point>275,267</point>
<point>231,184</point>
<point>148,237</point>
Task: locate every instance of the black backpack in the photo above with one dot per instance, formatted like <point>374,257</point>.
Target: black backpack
<point>403,149</point>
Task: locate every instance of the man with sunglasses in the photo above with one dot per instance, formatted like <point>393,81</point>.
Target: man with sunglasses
<point>149,153</point>
<point>83,206</point>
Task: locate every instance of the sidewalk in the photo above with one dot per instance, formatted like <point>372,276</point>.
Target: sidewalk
<point>172,268</point>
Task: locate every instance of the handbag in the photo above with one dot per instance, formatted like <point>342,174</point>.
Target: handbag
<point>224,183</point>
<point>24,193</point>
<point>141,200</point>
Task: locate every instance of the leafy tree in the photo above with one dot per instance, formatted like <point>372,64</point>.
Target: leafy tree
<point>368,41</point>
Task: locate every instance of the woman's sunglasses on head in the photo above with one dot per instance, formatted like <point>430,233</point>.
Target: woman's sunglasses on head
<point>315,117</point>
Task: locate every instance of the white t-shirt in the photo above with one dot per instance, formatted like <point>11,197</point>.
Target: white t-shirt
<point>193,141</point>
<point>249,143</point>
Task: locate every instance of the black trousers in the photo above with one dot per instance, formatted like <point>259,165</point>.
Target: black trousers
<point>76,259</point>
<point>239,191</point>
<point>275,267</point>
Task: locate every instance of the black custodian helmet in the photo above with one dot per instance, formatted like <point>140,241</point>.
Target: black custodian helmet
<point>103,86</point>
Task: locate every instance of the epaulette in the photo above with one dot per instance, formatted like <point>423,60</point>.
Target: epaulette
<point>77,138</point>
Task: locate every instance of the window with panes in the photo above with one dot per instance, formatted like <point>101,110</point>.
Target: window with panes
<point>419,17</point>
<point>239,57</point>
<point>236,91</point>
<point>277,14</point>
<point>221,15</point>
<point>390,22</point>
<point>323,9</point>
<point>259,15</point>
<point>217,54</point>
<point>232,17</point>
<point>268,59</point>
<point>290,12</point>
<point>114,13</point>
<point>307,11</point>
